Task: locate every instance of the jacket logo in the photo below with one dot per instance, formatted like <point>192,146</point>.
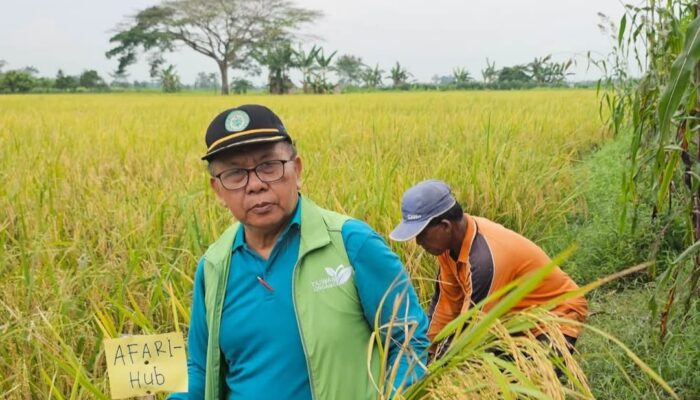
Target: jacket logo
<point>336,277</point>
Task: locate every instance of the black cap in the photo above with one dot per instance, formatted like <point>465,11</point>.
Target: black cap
<point>245,124</point>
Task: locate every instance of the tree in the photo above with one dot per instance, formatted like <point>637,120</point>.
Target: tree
<point>16,81</point>
<point>137,84</point>
<point>538,69</point>
<point>556,73</point>
<point>545,71</point>
<point>320,82</point>
<point>169,79</point>
<point>227,31</point>
<point>516,73</point>
<point>277,56</point>
<point>398,75</point>
<point>241,86</point>
<point>461,76</point>
<point>490,73</point>
<point>349,69</point>
<point>43,83</point>
<point>2,65</point>
<point>91,79</point>
<point>372,77</point>
<point>119,79</point>
<point>206,81</point>
<point>306,62</point>
<point>30,70</point>
<point>65,82</point>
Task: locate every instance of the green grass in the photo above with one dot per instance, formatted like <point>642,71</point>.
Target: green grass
<point>624,313</point>
<point>622,307</point>
<point>605,244</point>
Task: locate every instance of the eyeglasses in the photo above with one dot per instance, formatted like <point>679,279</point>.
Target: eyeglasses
<point>267,171</point>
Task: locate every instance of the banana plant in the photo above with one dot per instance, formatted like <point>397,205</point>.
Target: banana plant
<point>398,75</point>
<point>306,62</point>
<point>320,83</point>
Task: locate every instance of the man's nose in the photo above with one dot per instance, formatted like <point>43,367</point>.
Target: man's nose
<point>254,183</point>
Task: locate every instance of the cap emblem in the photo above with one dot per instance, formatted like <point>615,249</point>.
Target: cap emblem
<point>413,217</point>
<point>236,120</point>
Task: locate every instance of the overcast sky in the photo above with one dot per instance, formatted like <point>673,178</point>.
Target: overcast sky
<point>427,37</point>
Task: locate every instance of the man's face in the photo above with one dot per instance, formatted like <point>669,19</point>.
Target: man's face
<point>259,205</point>
<point>435,239</point>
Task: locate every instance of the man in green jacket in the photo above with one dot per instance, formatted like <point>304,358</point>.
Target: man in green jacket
<point>285,300</point>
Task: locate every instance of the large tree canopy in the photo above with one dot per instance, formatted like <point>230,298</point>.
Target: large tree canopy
<point>349,69</point>
<point>227,31</point>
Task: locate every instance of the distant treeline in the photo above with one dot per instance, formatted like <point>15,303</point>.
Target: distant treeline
<point>351,77</point>
<point>270,47</point>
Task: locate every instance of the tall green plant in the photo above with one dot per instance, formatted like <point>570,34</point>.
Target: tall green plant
<point>278,57</point>
<point>372,77</point>
<point>169,79</point>
<point>398,75</point>
<point>461,76</point>
<point>660,108</point>
<point>306,62</point>
<point>320,83</point>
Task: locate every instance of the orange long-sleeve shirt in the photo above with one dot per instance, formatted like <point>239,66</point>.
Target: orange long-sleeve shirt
<point>490,257</point>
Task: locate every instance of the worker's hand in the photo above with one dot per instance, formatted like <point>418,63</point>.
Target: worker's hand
<point>431,356</point>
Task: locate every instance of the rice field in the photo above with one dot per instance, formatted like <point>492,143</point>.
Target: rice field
<point>105,206</point>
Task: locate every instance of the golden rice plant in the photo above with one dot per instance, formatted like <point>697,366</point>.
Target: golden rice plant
<point>105,206</point>
<point>496,355</point>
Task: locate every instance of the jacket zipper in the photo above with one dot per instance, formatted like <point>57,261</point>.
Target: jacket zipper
<point>301,332</point>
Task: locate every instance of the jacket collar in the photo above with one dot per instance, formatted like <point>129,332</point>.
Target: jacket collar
<point>311,236</point>
<point>468,240</point>
<point>311,219</point>
<point>239,240</point>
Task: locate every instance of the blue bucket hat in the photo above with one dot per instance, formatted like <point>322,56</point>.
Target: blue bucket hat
<point>420,204</point>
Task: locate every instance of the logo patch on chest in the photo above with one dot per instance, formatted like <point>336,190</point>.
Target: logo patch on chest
<point>336,277</point>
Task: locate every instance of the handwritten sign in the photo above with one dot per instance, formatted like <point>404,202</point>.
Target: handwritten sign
<point>145,364</point>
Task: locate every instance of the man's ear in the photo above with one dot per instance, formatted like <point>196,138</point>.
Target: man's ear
<point>298,166</point>
<point>445,225</point>
<point>216,187</point>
